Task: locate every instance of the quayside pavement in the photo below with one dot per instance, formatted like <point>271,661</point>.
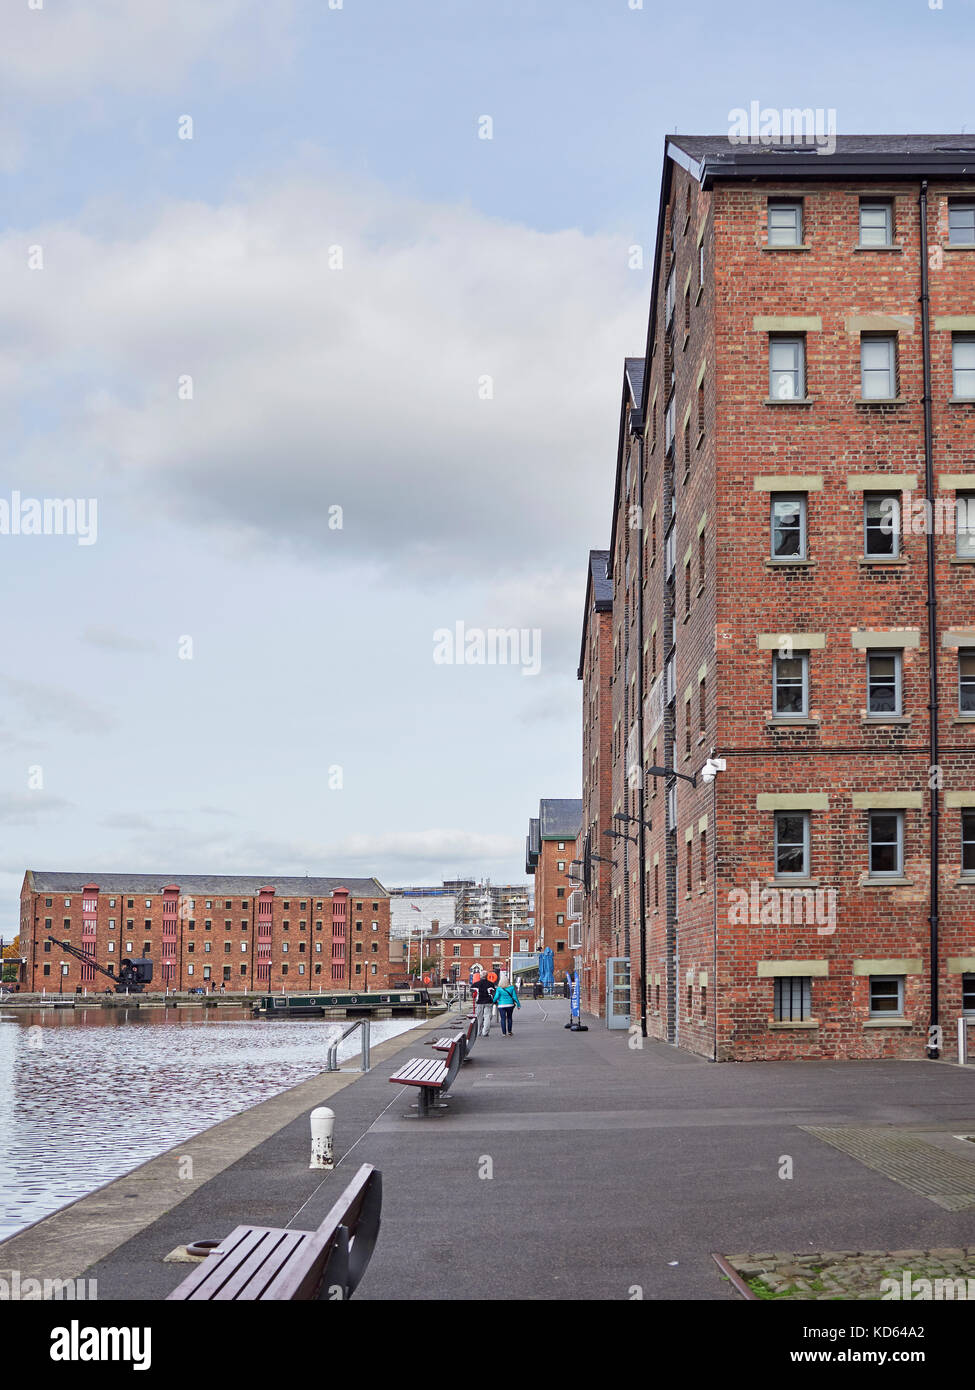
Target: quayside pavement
<point>575,1166</point>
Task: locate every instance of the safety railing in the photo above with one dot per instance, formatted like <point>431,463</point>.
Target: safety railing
<point>332,1063</point>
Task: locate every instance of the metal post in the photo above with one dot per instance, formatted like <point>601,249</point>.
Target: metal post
<point>962,1041</point>
<point>365,1044</point>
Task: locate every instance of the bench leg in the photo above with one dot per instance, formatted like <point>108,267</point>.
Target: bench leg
<point>423,1102</point>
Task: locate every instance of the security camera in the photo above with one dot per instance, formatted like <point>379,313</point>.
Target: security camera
<point>711,769</point>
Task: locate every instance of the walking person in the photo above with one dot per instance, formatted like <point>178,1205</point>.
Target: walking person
<point>506,998</point>
<point>483,992</point>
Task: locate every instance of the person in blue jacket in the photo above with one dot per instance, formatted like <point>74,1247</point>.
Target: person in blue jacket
<point>506,998</point>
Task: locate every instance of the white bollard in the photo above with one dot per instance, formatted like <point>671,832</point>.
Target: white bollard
<point>322,1129</point>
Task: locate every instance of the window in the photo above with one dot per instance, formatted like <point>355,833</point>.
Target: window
<point>561,844</point>
<point>968,842</point>
<point>881,523</point>
<point>700,266</point>
<point>243,946</point>
<point>560,918</point>
<point>284,946</point>
<point>793,998</point>
<point>876,223</point>
<point>886,996</point>
<point>965,525</point>
<point>560,892</point>
<point>792,844</point>
<point>966,681</point>
<point>789,526</point>
<point>963,366</point>
<point>111,923</point>
<point>883,683</point>
<point>787,368</point>
<point>878,367</point>
<point>561,866</point>
<point>111,902</point>
<point>704,856</point>
<point>886,844</point>
<point>784,224</point>
<point>48,902</point>
<point>477,950</point>
<point>456,950</point>
<point>967,993</point>
<point>961,222</point>
<point>790,686</point>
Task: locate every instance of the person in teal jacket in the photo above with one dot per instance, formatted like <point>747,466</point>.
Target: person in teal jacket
<point>506,998</point>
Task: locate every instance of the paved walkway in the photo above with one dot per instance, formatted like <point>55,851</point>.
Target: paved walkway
<point>573,1166</point>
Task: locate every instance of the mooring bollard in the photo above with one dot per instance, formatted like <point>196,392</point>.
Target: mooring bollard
<point>322,1129</point>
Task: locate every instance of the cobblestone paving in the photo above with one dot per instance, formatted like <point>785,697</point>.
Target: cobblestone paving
<point>837,1275</point>
<point>944,1178</point>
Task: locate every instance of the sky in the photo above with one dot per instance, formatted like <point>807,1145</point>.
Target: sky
<point>321,311</point>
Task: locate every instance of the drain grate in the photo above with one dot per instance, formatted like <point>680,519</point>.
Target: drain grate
<point>944,1178</point>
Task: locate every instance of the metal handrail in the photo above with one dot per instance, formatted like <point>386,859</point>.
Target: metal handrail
<point>331,1063</point>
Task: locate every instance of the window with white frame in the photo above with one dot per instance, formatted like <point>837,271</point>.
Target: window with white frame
<point>876,222</point>
<point>886,996</point>
<point>884,695</point>
<point>961,222</point>
<point>790,685</point>
<point>792,844</point>
<point>787,368</point>
<point>965,525</point>
<point>963,366</point>
<point>881,524</point>
<point>878,366</point>
<point>793,998</point>
<point>966,680</point>
<point>968,842</point>
<point>784,222</point>
<point>788,526</point>
<point>886,831</point>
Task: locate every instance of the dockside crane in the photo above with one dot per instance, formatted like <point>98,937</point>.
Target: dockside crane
<point>133,975</point>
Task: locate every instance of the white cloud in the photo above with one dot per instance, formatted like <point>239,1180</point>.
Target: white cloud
<point>68,48</point>
<point>39,706</point>
<point>315,386</point>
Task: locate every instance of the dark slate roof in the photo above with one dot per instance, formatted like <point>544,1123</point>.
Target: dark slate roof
<point>634,376</point>
<point>854,156</point>
<point>602,585</point>
<point>560,820</point>
<point>234,885</point>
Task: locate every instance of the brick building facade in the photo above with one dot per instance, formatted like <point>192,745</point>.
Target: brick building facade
<point>207,931</point>
<point>550,856</point>
<point>784,598</point>
<point>460,950</point>
<point>594,849</point>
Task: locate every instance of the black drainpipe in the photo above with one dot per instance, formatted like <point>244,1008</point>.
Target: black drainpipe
<point>933,1049</point>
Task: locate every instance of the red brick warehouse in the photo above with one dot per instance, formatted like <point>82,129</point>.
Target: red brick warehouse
<point>779,601</point>
<point>207,931</point>
<point>549,855</point>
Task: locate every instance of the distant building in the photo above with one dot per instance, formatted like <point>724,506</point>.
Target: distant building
<point>210,931</point>
<point>550,852</point>
<point>463,949</point>
<point>495,905</point>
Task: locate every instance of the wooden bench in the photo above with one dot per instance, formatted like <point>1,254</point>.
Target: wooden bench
<point>470,1037</point>
<point>260,1262</point>
<point>432,1076</point>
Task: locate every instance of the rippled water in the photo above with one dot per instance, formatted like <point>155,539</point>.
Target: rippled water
<point>88,1094</point>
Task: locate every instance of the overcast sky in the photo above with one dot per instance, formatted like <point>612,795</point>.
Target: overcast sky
<point>336,295</point>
